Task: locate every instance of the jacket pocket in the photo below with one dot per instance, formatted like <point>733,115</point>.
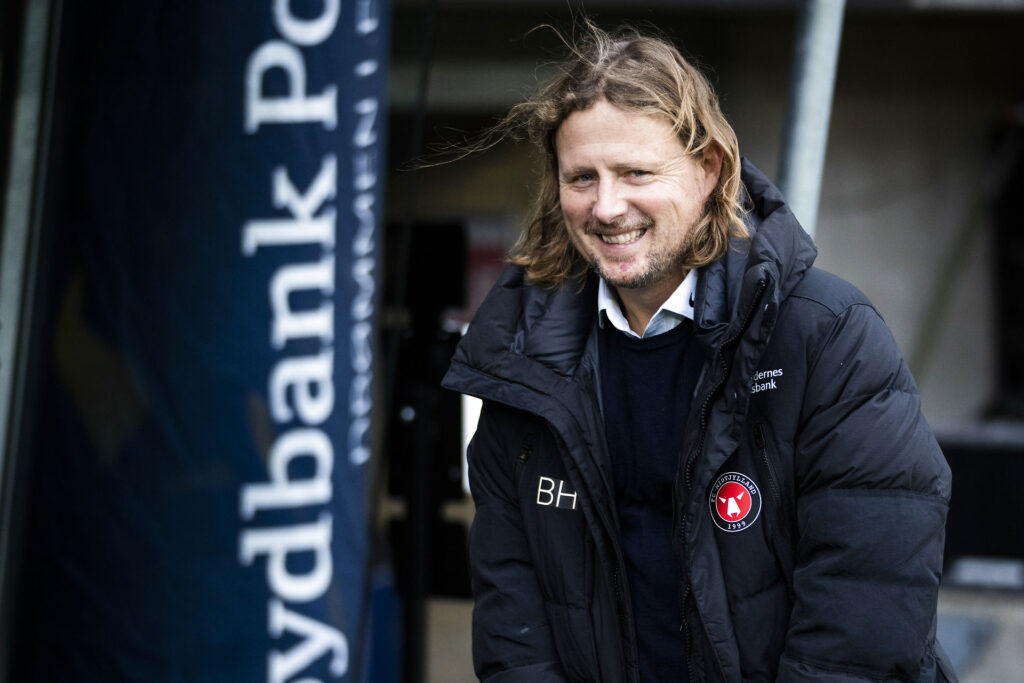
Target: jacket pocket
<point>779,513</point>
<point>574,641</point>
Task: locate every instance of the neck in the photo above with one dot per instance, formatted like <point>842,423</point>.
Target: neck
<point>640,305</point>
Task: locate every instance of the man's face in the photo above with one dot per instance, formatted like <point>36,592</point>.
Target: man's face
<point>630,195</point>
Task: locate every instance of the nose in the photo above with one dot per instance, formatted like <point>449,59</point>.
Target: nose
<point>610,203</point>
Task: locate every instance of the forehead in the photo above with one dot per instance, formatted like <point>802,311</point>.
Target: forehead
<point>603,133</point>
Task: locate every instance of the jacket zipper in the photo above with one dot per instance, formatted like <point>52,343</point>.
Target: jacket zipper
<point>688,481</point>
<point>625,608</point>
<point>620,597</point>
<point>685,593</point>
<point>761,285</point>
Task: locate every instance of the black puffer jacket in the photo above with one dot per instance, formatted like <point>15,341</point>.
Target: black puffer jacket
<point>810,500</point>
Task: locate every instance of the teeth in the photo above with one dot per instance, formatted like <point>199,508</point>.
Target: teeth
<point>624,238</point>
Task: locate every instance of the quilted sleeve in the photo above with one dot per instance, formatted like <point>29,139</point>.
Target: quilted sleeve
<point>511,636</point>
<point>872,493</point>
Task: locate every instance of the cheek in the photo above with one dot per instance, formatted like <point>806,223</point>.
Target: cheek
<point>574,208</point>
<point>687,205</point>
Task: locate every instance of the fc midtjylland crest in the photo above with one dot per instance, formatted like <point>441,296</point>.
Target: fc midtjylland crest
<point>735,502</point>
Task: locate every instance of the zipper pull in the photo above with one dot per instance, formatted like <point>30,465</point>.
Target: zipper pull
<point>759,437</point>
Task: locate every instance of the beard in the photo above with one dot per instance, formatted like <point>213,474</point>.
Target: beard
<point>660,263</point>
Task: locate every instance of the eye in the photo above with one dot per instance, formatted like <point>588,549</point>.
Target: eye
<point>636,173</point>
<point>582,178</point>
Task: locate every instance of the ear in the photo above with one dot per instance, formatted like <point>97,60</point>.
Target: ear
<point>711,165</point>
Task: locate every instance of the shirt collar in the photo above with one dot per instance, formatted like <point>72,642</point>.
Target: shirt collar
<point>677,306</point>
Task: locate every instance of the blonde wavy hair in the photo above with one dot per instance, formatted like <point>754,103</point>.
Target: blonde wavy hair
<point>636,73</point>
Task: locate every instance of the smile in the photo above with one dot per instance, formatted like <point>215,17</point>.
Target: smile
<point>624,238</point>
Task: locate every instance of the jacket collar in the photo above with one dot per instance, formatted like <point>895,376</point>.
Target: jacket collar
<point>777,254</point>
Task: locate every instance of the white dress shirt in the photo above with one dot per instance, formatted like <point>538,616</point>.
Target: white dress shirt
<point>677,307</point>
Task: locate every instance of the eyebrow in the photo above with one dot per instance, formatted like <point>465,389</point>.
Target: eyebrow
<point>629,166</point>
<point>575,170</point>
<point>649,165</point>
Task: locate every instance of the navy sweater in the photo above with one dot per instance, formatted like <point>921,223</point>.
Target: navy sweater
<point>647,386</point>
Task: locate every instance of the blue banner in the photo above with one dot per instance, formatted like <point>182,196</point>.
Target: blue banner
<point>198,507</point>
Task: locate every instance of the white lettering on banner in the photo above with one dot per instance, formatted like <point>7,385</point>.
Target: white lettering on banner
<point>311,379</point>
<point>364,265</point>
<point>362,208</point>
<point>285,231</point>
<point>306,31</point>
<point>301,393</point>
<point>367,111</point>
<point>277,543</point>
<point>323,187</point>
<point>362,347</point>
<point>367,19</point>
<point>305,227</point>
<point>366,68</point>
<point>358,433</point>
<point>290,324</point>
<point>364,173</point>
<point>317,640</point>
<point>296,107</point>
<point>282,491</point>
<point>362,303</point>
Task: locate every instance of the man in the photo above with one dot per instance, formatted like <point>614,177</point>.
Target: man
<point>699,457</point>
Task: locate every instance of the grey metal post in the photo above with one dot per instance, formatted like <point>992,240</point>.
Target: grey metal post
<point>819,27</point>
<point>19,259</point>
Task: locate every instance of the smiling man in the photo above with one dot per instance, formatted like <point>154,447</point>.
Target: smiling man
<point>699,458</point>
<point>631,196</point>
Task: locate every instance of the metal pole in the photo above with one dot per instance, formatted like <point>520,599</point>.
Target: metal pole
<point>22,272</point>
<point>819,27</point>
